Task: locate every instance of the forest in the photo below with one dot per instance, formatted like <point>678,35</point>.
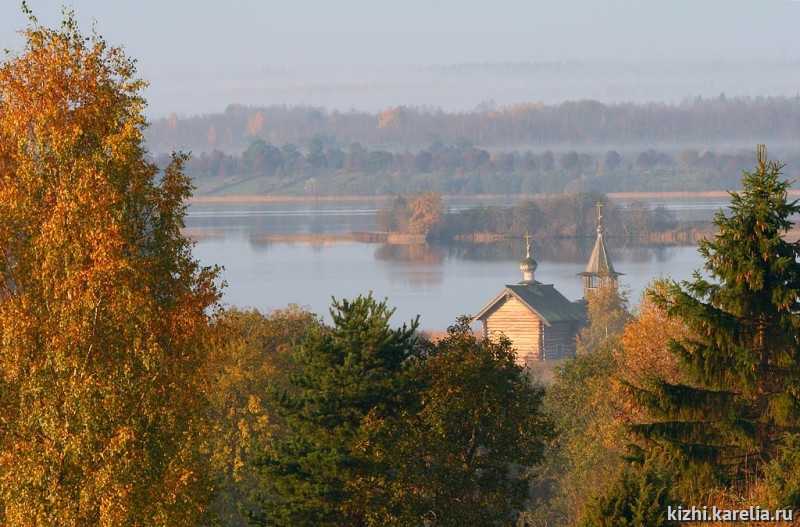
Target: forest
<point>129,395</point>
<point>576,146</point>
<point>457,169</point>
<point>696,123</point>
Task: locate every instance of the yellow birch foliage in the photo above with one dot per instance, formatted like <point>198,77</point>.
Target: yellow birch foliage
<point>252,355</point>
<point>103,311</point>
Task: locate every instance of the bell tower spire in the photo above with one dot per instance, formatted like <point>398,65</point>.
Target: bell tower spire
<point>599,271</point>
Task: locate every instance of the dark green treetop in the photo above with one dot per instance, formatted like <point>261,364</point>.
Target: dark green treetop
<point>350,376</point>
<point>741,358</point>
<point>383,428</point>
<point>467,454</point>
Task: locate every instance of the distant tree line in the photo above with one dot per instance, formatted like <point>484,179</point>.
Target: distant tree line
<point>714,121</point>
<point>263,158</point>
<point>463,168</point>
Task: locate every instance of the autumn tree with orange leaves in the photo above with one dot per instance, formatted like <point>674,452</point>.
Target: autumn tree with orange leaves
<point>103,310</point>
<point>417,214</point>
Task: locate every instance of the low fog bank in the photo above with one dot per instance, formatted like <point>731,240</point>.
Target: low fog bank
<point>466,87</point>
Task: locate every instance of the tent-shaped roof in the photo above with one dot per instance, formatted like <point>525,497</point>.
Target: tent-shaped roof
<point>599,263</point>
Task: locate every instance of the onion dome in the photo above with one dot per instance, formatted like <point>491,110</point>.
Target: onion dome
<point>528,265</point>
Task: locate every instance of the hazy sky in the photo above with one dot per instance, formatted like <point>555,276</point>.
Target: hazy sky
<point>190,48</point>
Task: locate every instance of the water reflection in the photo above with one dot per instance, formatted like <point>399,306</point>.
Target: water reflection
<point>437,281</point>
<point>575,250</point>
<point>555,250</point>
<point>572,250</point>
<point>417,253</point>
<point>287,217</point>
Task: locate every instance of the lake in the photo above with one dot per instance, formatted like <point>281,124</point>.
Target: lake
<point>437,282</point>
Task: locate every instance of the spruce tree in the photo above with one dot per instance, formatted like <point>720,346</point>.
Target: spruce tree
<point>740,360</point>
<point>350,380</point>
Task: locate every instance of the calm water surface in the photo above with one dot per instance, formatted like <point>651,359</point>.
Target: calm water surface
<point>438,283</point>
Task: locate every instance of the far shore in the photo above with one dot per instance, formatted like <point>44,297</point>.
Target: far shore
<point>709,194</point>
<point>677,236</point>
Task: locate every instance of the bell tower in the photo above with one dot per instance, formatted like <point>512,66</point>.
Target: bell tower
<point>599,271</point>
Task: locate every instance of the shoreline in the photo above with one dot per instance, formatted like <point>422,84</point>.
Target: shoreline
<point>672,237</point>
<point>254,198</point>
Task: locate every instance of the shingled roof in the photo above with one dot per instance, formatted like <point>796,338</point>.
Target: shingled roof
<point>599,263</point>
<point>542,299</point>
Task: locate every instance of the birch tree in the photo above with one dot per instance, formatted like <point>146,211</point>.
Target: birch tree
<point>103,310</point>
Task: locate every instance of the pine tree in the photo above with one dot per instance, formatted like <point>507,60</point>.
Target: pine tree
<point>102,308</point>
<point>741,394</point>
<point>351,379</point>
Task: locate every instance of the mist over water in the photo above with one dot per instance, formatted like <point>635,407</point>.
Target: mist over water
<point>449,54</point>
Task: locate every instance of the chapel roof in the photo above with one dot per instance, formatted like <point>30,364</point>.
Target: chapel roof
<point>544,300</point>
